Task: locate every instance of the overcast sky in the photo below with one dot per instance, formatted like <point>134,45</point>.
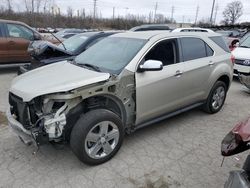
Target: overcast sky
<point>183,9</point>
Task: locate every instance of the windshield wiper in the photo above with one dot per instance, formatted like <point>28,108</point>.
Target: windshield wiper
<point>245,46</point>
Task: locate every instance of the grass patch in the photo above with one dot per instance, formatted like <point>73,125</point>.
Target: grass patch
<point>3,119</point>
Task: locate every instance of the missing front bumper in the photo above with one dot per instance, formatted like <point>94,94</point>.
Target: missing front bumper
<point>18,128</point>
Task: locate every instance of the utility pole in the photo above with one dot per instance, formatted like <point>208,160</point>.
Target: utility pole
<point>196,16</point>
<point>156,7</point>
<point>113,13</point>
<point>212,12</point>
<point>94,11</point>
<point>172,14</point>
<point>216,11</point>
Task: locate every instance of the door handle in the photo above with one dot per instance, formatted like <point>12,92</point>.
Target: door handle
<point>211,63</point>
<point>178,73</point>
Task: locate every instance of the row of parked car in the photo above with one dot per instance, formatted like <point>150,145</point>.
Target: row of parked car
<point>17,37</point>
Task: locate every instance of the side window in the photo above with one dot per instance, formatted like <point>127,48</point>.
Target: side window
<point>164,51</point>
<point>193,48</point>
<point>19,31</point>
<point>220,42</point>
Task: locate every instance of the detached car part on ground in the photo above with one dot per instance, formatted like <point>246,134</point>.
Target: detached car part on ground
<point>237,141</point>
<point>242,61</point>
<point>122,83</point>
<point>44,53</point>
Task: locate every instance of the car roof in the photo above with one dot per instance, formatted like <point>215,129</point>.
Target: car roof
<point>162,34</point>
<point>13,22</point>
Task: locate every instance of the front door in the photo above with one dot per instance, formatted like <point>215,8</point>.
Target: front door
<point>164,91</point>
<point>18,41</point>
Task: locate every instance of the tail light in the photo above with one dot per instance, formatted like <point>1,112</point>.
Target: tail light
<point>232,59</point>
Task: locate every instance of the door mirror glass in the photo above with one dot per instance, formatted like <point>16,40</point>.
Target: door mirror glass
<point>151,65</point>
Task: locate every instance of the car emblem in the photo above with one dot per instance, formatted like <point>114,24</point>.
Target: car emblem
<point>246,62</point>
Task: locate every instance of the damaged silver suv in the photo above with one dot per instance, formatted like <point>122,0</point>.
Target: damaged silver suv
<point>122,83</point>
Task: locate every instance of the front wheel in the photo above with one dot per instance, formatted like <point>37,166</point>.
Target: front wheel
<point>97,136</point>
<point>216,98</point>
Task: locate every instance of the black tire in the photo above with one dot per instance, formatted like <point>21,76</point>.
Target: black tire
<point>84,125</point>
<point>208,107</point>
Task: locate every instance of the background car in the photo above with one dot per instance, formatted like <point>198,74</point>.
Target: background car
<point>231,37</point>
<point>44,53</point>
<point>67,33</point>
<point>14,41</point>
<point>15,38</point>
<point>242,57</point>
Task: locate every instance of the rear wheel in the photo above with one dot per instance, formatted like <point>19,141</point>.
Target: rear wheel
<point>216,98</point>
<point>97,136</point>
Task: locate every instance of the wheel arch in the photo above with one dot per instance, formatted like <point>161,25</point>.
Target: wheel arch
<point>104,101</point>
<point>225,78</point>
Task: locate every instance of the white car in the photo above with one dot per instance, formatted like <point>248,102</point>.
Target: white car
<point>193,29</point>
<point>242,61</point>
<point>242,57</point>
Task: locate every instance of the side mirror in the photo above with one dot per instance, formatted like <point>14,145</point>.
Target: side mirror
<point>37,36</point>
<point>151,65</point>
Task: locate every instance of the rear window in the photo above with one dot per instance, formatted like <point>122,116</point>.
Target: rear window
<point>194,48</point>
<point>220,42</point>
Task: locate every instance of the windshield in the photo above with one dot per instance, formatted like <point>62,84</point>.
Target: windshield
<point>111,54</point>
<point>73,43</point>
<point>246,42</point>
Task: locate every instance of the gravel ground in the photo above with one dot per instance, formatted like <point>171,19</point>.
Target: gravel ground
<point>183,151</point>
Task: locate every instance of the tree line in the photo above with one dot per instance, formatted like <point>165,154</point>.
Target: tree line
<point>45,13</point>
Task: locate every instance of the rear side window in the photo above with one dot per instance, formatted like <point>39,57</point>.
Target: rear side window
<point>220,42</point>
<point>194,48</point>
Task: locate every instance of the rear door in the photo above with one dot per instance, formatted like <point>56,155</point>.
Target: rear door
<point>18,38</point>
<point>198,64</point>
<point>4,55</point>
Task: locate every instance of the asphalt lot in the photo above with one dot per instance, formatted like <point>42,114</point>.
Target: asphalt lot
<point>183,151</point>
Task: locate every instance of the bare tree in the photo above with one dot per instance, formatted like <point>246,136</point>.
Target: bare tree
<point>70,12</point>
<point>232,12</point>
<point>38,4</point>
<point>9,5</point>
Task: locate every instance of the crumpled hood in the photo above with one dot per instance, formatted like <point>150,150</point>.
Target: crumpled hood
<point>241,53</point>
<point>58,77</point>
<point>43,50</point>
